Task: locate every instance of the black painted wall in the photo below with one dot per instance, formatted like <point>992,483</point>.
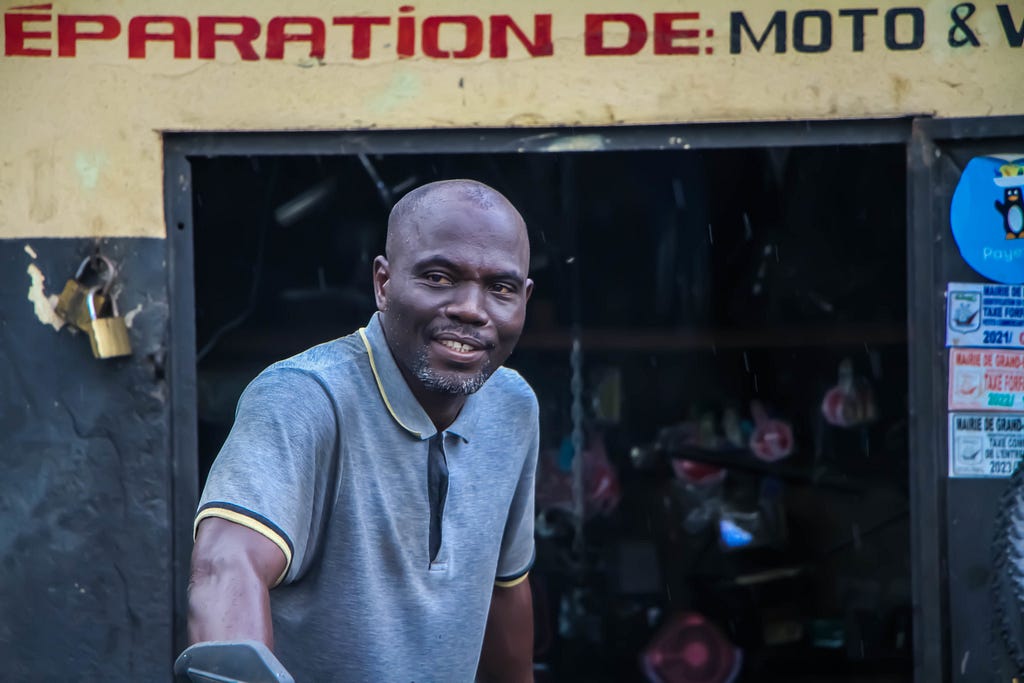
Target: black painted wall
<point>85,477</point>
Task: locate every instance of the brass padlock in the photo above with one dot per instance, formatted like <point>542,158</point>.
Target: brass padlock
<point>71,304</point>
<point>107,336</point>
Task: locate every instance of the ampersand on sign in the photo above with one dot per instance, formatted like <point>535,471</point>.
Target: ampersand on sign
<point>960,33</point>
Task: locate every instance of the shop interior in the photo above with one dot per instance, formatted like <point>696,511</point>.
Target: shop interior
<point>718,341</point>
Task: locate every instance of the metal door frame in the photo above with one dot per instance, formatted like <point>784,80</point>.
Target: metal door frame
<point>925,319</point>
<point>929,238</point>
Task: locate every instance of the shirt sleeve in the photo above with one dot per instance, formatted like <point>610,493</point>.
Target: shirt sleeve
<point>276,467</point>
<point>517,545</point>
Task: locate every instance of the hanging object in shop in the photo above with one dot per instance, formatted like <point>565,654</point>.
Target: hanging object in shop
<point>745,523</point>
<point>96,270</point>
<point>772,439</point>
<point>696,472</point>
<point>987,216</point>
<point>851,402</point>
<point>556,472</point>
<point>984,315</point>
<point>690,649</point>
<point>108,335</point>
<point>985,445</point>
<point>607,399</point>
<point>986,379</point>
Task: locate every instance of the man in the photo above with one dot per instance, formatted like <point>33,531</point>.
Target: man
<point>371,511</point>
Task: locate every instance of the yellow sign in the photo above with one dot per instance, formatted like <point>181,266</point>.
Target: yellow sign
<point>89,86</point>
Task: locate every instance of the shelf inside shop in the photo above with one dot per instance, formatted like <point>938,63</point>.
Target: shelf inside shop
<point>638,339</point>
<point>743,459</point>
<point>613,339</point>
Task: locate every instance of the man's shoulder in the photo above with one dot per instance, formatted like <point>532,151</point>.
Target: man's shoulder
<point>333,363</point>
<point>509,387</point>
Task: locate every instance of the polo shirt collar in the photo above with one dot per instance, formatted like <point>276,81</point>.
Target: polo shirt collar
<point>398,397</point>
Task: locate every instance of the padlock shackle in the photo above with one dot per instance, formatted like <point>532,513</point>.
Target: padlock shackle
<point>93,315</point>
<point>107,279</point>
<point>81,268</point>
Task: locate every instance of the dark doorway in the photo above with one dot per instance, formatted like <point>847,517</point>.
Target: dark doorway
<point>711,291</point>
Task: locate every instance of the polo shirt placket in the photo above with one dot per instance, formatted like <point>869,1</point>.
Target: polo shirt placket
<point>410,416</point>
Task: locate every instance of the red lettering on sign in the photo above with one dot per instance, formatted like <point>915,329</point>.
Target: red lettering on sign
<point>208,36</point>
<point>278,35</point>
<point>1007,360</point>
<point>361,28</point>
<point>437,37</point>
<point>474,40</point>
<point>406,34</point>
<point>993,382</point>
<point>666,35</point>
<point>139,34</point>
<point>15,35</point>
<point>593,40</point>
<point>540,46</point>
<point>968,358</point>
<point>68,33</point>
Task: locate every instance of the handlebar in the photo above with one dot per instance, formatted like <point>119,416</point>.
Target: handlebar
<point>237,661</point>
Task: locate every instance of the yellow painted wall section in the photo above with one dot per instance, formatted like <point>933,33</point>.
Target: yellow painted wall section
<point>83,109</point>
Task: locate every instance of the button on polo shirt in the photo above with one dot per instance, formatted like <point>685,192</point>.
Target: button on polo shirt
<point>332,458</point>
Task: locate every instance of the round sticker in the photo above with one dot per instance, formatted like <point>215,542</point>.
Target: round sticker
<point>987,216</point>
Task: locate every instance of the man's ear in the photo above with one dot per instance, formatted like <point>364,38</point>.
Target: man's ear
<point>381,276</point>
<point>528,289</point>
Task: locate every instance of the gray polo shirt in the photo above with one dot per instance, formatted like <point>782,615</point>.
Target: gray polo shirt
<point>328,458</point>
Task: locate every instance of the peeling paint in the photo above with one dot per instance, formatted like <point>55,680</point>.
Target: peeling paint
<point>30,251</point>
<point>576,143</point>
<point>44,305</point>
<point>130,315</point>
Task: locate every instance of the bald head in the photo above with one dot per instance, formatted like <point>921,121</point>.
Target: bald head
<point>431,197</point>
<point>452,289</point>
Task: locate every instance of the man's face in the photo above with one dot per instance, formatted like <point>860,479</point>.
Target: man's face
<point>453,294</point>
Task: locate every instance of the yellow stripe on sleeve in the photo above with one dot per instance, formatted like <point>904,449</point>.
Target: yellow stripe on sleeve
<point>512,582</point>
<point>249,523</point>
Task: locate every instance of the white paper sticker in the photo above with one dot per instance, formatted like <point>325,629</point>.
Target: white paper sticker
<point>984,315</point>
<point>986,379</point>
<point>985,445</point>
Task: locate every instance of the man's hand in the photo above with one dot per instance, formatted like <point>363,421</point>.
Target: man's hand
<point>233,569</point>
<point>507,655</point>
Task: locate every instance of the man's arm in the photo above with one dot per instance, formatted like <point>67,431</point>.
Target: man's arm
<point>507,654</point>
<point>233,569</point>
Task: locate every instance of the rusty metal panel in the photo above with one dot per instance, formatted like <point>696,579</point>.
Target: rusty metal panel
<point>85,567</point>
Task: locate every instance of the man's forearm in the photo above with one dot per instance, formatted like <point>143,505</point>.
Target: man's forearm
<point>507,654</point>
<point>228,605</point>
<point>233,568</point>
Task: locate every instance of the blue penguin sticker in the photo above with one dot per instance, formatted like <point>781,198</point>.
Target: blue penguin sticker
<point>987,217</point>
